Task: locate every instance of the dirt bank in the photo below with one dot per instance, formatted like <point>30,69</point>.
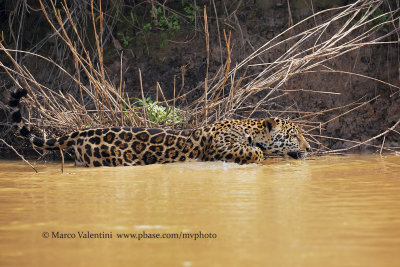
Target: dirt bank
<point>167,57</point>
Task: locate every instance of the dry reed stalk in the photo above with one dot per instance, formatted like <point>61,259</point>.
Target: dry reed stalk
<point>383,143</point>
<point>120,91</point>
<point>144,110</point>
<point>62,160</point>
<point>346,112</point>
<point>327,150</point>
<point>162,94</point>
<point>207,35</point>
<point>219,34</point>
<point>227,65</point>
<point>183,70</point>
<point>366,141</point>
<point>174,99</point>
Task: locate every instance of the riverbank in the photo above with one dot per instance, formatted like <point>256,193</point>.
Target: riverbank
<point>336,73</point>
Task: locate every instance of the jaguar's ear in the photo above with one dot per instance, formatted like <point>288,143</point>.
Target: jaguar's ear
<point>269,124</point>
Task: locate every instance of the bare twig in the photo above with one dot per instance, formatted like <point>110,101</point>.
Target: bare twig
<point>19,155</point>
<point>366,141</point>
<point>62,160</point>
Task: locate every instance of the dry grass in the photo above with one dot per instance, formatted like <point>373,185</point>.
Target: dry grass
<point>307,52</point>
<point>226,95</point>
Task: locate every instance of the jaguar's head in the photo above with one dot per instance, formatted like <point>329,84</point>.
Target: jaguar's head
<point>285,137</point>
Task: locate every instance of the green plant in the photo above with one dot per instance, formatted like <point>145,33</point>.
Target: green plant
<point>168,22</point>
<point>147,27</point>
<point>117,16</point>
<point>125,38</point>
<point>164,22</point>
<point>378,20</point>
<point>174,23</point>
<point>157,113</point>
<point>164,39</point>
<point>190,10</point>
<point>132,16</point>
<point>160,114</point>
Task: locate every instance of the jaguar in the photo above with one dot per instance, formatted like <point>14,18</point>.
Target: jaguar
<point>239,141</point>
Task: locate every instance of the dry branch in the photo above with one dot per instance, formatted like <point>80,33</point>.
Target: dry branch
<point>19,155</point>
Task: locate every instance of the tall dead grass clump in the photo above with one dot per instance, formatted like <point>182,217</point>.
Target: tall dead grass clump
<point>98,103</point>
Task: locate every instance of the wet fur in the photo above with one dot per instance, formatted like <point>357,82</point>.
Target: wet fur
<point>240,141</point>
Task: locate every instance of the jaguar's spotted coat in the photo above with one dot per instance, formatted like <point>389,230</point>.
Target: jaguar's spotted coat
<point>240,141</point>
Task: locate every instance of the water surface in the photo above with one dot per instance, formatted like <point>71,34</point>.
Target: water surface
<point>327,211</point>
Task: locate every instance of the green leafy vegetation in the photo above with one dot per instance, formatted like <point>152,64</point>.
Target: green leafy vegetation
<point>157,113</point>
<point>126,39</point>
<point>190,10</point>
<point>164,22</point>
<point>379,18</point>
<point>160,21</point>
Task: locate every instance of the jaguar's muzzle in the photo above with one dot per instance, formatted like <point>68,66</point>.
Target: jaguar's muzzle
<point>296,155</point>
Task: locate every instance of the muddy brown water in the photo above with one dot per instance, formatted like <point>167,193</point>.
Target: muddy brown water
<point>327,211</point>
